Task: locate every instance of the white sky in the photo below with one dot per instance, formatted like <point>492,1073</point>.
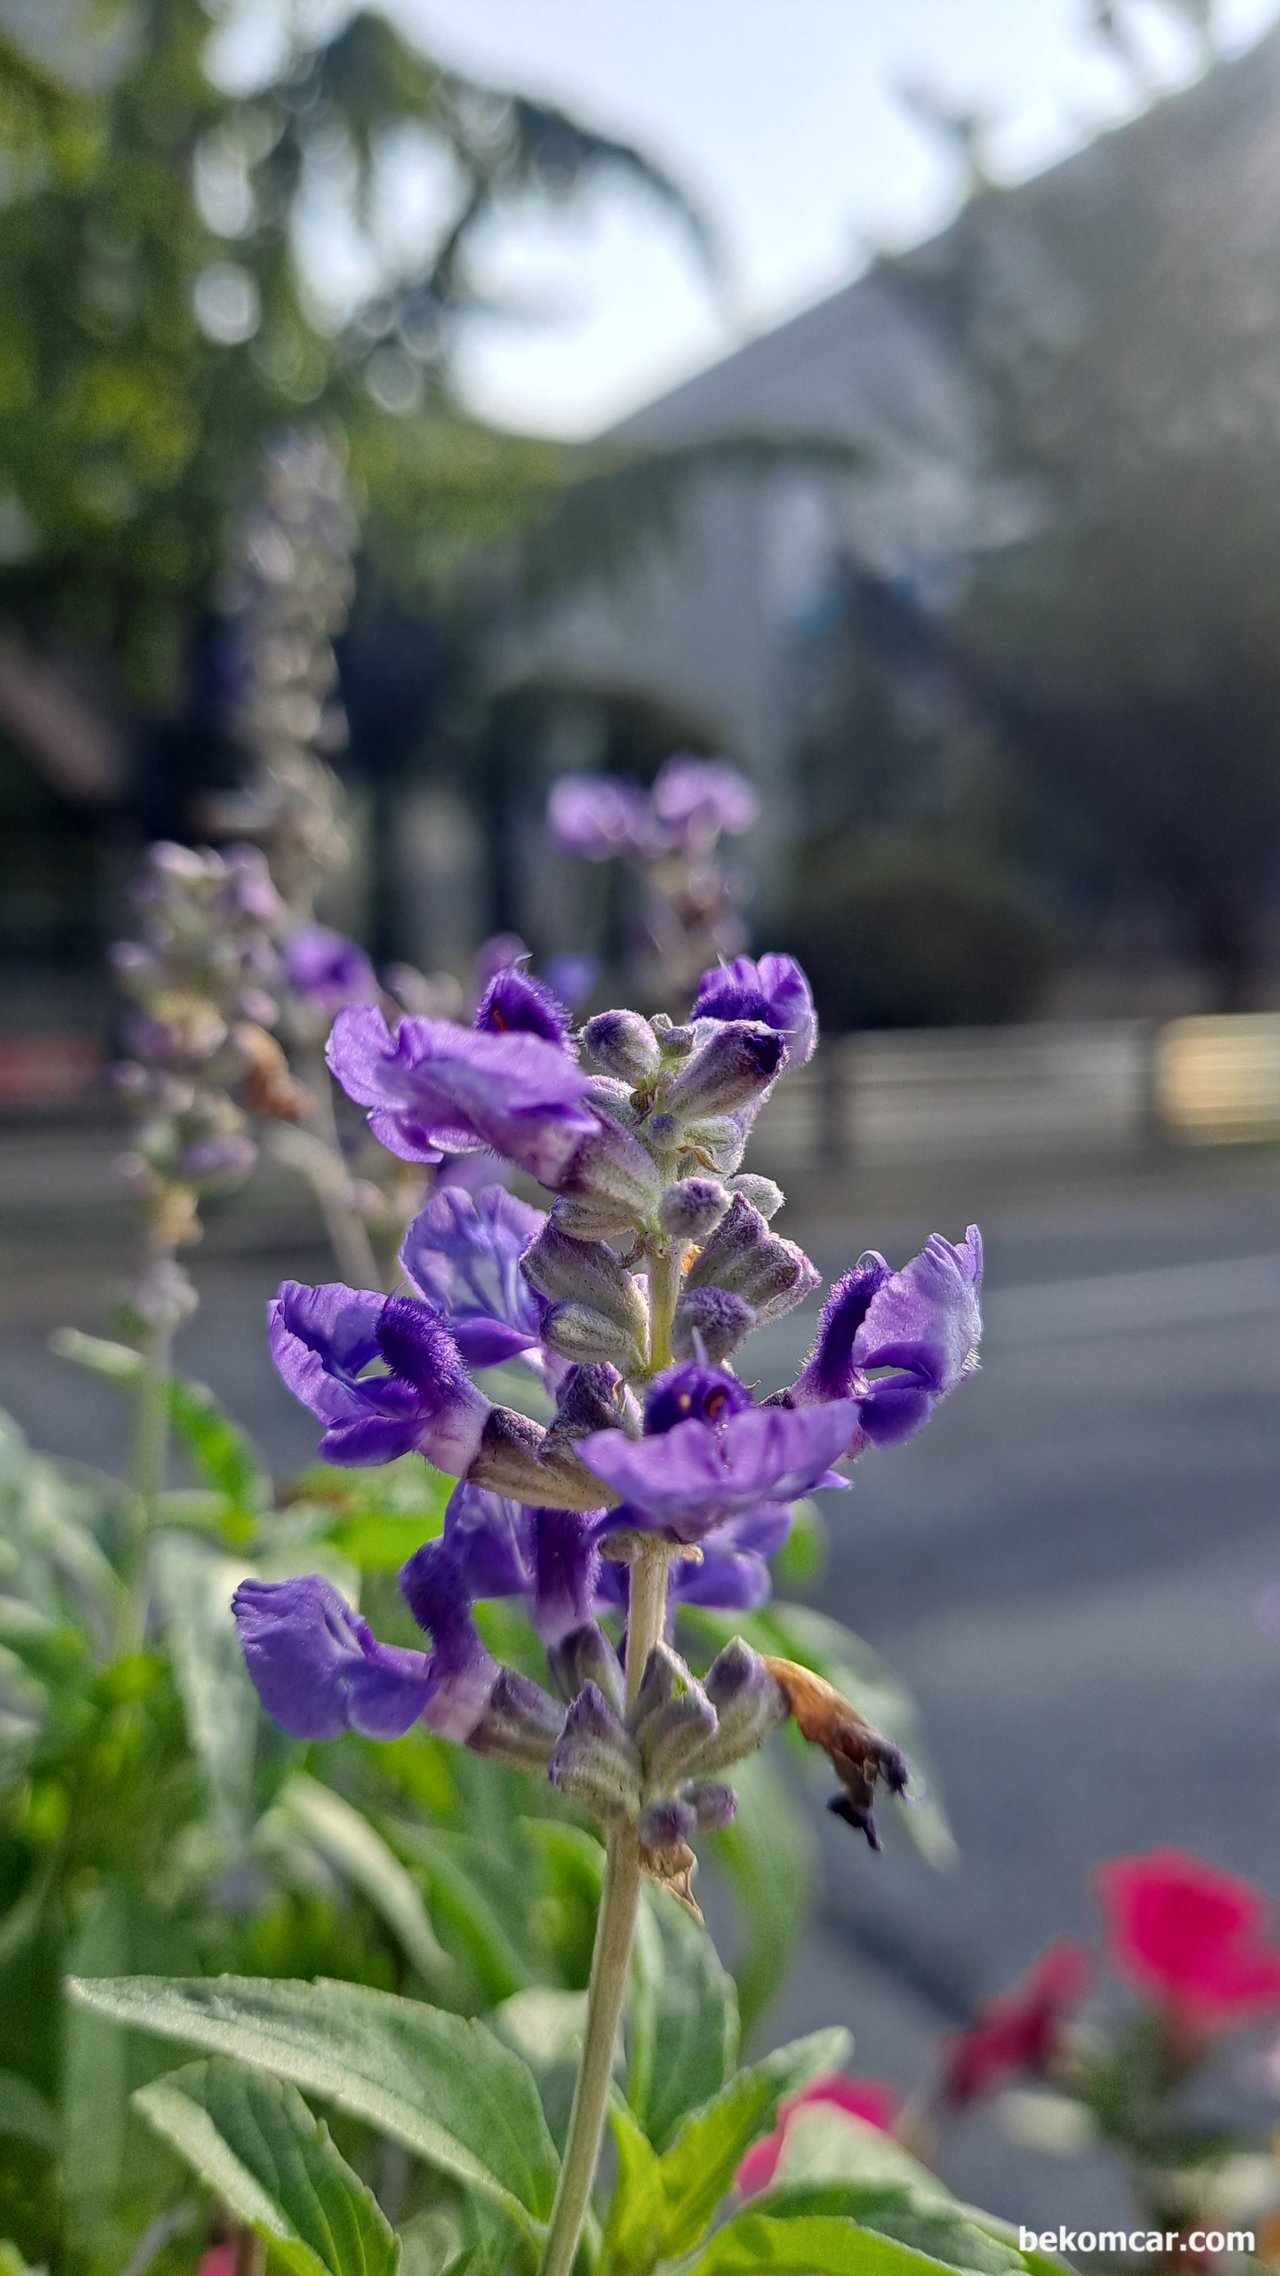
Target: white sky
<point>781,115</point>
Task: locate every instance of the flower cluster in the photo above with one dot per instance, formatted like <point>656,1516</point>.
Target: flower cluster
<point>626,1300</point>
<point>200,979</point>
<point>670,834</point>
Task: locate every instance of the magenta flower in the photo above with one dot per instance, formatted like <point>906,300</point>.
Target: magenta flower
<point>774,991</point>
<point>709,1455</point>
<point>434,1088</point>
<point>463,1252</point>
<point>382,1373</point>
<point>922,1326</point>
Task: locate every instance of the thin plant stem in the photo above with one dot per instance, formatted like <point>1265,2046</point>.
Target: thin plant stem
<point>611,1959</point>
<point>150,1467</point>
<point>664,1294</point>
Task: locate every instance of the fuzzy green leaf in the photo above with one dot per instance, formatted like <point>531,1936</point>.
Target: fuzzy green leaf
<point>254,2141</point>
<point>444,2087</point>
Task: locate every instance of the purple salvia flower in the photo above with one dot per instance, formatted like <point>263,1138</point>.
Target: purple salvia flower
<point>733,1574</point>
<point>463,1252</point>
<point>548,1556</point>
<point>516,1004</point>
<point>695,801</point>
<point>774,990</point>
<point>328,970</point>
<point>318,1668</point>
<point>434,1088</point>
<point>491,1541</point>
<point>725,1458</point>
<point>922,1325</point>
<point>598,815</point>
<point>324,1341</point>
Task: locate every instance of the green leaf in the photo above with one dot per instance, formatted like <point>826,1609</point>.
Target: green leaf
<point>696,2173</point>
<point>815,2245</point>
<point>115,1362</point>
<point>350,1844</point>
<point>827,2144</point>
<point>25,2116</point>
<point>444,2087</point>
<point>633,2235</point>
<point>254,2141</point>
<point>684,2018</point>
<point>224,1456</point>
<point>944,2233</point>
<point>194,1587</point>
<point>457,1883</point>
<point>547,2028</point>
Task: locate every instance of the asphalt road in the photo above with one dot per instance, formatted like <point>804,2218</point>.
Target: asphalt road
<point>1065,1568</point>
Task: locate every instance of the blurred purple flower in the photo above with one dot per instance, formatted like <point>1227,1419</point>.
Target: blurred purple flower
<point>572,978</point>
<point>434,1088</point>
<point>327,969</point>
<point>325,1340</point>
<point>598,815</point>
<point>709,1455</point>
<point>695,801</point>
<point>774,990</point>
<point>463,1252</point>
<point>921,1325</point>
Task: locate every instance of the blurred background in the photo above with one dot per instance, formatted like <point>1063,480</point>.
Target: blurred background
<point>887,400</point>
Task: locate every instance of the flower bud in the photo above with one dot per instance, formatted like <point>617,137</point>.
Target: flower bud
<point>579,1333</point>
<point>612,1186</point>
<point>674,1042</point>
<point>596,1762</point>
<point>594,1397</point>
<point>520,1460</point>
<point>623,1043</point>
<point>762,1193</point>
<point>744,1256</point>
<point>666,1824</point>
<point>586,1273</point>
<point>714,1806</point>
<point>521,1723</point>
<point>586,1656</point>
<point>733,1068</point>
<point>714,1318</point>
<point>748,1704</point>
<point>718,1142</point>
<point>672,1718</point>
<point>690,1209</point>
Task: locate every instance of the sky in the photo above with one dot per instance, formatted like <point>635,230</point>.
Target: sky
<point>784,117</point>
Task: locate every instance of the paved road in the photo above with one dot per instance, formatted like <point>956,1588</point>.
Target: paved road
<point>1064,1567</point>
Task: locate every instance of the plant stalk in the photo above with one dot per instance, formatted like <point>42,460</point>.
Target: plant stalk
<point>150,1466</point>
<point>664,1294</point>
<point>611,1959</point>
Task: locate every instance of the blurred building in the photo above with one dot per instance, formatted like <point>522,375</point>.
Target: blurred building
<point>1015,636</point>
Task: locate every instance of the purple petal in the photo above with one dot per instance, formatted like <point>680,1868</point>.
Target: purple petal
<point>463,1251</point>
<point>597,816</point>
<point>327,969</point>
<point>462,1671</point>
<point>567,1566</point>
<point>695,1476</point>
<point>514,1003</point>
<point>435,1083</point>
<point>491,1541</point>
<point>320,1340</point>
<point>774,990</point>
<point>829,1369</point>
<point>926,1318</point>
<point>317,1667</point>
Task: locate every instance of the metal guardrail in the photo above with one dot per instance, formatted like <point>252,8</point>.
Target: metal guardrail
<point>1113,1087</point>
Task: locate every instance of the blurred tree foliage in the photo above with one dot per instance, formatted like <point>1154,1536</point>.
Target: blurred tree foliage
<point>203,239</point>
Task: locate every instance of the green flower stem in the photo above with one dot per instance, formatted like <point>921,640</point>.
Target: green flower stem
<point>612,1957</point>
<point>664,1294</point>
<point>150,1466</point>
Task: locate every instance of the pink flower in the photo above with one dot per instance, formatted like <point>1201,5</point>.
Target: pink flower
<point>219,2260</point>
<point>866,2098</point>
<point>1019,2034</point>
<point>1193,1940</point>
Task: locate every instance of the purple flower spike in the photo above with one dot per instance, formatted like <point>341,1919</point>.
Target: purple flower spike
<point>463,1251</point>
<point>323,1341</point>
<point>598,815</point>
<point>774,991</point>
<point>317,1667</point>
<point>515,1004</point>
<point>696,801</point>
<point>327,969</point>
<point>434,1088</point>
<point>921,1325</point>
<point>696,1474</point>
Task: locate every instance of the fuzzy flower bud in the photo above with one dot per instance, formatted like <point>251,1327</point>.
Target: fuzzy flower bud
<point>666,1824</point>
<point>714,1806</point>
<point>586,1656</point>
<point>743,1256</point>
<point>672,1718</point>
<point>692,1208</point>
<point>714,1318</point>
<point>733,1068</point>
<point>748,1702</point>
<point>595,1761</point>
<point>520,1460</point>
<point>762,1193</point>
<point>612,1186</point>
<point>624,1044</point>
<point>586,1274</point>
<point>579,1333</point>
<point>521,1724</point>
